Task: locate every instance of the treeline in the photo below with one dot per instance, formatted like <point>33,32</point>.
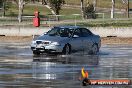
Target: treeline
<point>54,6</point>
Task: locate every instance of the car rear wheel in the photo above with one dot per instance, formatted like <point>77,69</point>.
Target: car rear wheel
<point>36,53</point>
<point>94,49</point>
<point>66,49</point>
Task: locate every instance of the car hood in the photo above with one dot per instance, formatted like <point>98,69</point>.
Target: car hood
<point>51,38</point>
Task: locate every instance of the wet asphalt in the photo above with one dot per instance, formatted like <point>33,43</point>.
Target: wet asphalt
<point>19,68</point>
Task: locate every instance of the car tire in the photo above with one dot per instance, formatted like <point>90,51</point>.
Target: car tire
<point>94,49</point>
<point>66,49</point>
<point>36,53</point>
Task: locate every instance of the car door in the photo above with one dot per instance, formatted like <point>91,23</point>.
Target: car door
<point>76,40</point>
<point>87,39</point>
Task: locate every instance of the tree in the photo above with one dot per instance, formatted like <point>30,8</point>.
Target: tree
<point>56,6</point>
<point>82,8</point>
<point>89,11</point>
<point>20,4</point>
<point>21,7</point>
<point>112,9</point>
<point>3,6</point>
<point>1,2</point>
<point>44,2</point>
<point>94,4</point>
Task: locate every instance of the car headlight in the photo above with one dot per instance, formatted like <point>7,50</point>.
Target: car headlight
<point>55,43</point>
<point>33,42</point>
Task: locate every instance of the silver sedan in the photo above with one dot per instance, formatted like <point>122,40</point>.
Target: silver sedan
<point>66,39</point>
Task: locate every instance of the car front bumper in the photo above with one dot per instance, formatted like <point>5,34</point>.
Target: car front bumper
<point>48,48</point>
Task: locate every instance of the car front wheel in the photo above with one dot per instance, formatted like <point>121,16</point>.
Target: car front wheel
<point>66,49</point>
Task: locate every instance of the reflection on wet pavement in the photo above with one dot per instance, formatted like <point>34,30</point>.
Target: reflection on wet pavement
<point>20,69</point>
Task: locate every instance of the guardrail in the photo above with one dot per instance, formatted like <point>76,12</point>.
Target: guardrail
<point>50,20</point>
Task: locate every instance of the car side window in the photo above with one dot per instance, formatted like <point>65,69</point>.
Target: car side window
<point>78,32</point>
<point>63,32</point>
<point>85,32</point>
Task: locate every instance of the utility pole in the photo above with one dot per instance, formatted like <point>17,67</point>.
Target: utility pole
<point>112,9</point>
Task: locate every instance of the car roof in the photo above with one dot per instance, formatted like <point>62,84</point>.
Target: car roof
<point>73,27</point>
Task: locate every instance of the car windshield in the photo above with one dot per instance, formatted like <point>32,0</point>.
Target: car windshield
<point>62,32</point>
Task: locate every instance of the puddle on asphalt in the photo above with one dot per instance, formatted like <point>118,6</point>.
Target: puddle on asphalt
<point>20,69</point>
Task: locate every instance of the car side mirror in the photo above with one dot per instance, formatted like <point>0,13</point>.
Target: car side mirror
<point>45,33</point>
<point>75,36</point>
